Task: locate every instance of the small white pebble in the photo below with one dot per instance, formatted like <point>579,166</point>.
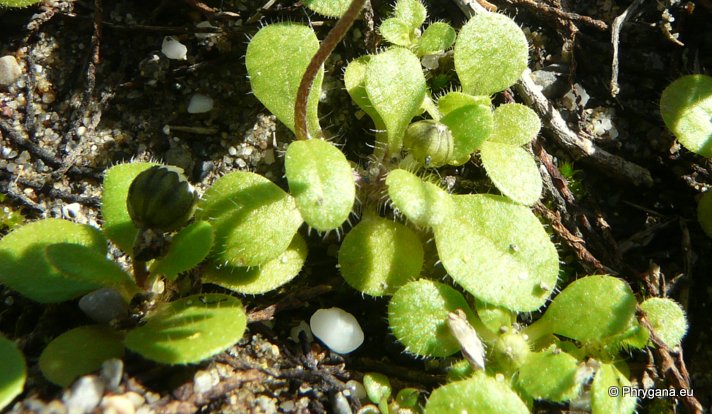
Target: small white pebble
<point>85,395</point>
<point>111,372</point>
<point>200,104</point>
<point>174,49</point>
<point>9,70</point>
<point>117,404</point>
<point>338,329</point>
<point>71,211</point>
<point>103,305</point>
<point>202,382</point>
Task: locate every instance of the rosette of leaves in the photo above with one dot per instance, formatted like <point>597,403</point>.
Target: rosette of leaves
<point>403,29</point>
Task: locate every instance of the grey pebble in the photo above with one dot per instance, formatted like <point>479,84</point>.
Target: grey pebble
<point>10,70</point>
<point>103,305</point>
<point>112,370</point>
<point>85,395</point>
<point>339,404</point>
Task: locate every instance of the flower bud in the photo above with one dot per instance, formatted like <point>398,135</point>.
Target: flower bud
<point>161,198</point>
<point>430,142</point>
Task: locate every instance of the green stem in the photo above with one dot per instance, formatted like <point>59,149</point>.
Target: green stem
<point>327,46</point>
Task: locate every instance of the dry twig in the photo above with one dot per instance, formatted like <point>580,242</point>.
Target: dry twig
<point>615,36</point>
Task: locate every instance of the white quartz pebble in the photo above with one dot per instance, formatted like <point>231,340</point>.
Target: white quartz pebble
<point>200,104</point>
<point>338,329</point>
<point>174,49</point>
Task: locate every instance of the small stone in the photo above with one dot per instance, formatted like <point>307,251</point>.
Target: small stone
<point>85,395</point>
<point>301,327</point>
<point>10,70</point>
<point>203,382</point>
<point>357,390</point>
<point>200,104</point>
<point>174,49</point>
<point>111,372</point>
<point>117,404</point>
<point>103,305</point>
<point>339,404</point>
<point>71,211</point>
<point>338,329</point>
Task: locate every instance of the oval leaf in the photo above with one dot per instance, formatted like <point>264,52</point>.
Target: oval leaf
<point>395,85</point>
<point>355,82</point>
<point>418,313</point>
<point>254,220</point>
<point>276,60</point>
<point>261,279</point>
<point>78,352</point>
<point>686,105</point>
<point>550,375</point>
<point>396,31</point>
<point>13,373</point>
<point>24,267</point>
<point>118,226</point>
<point>437,37</point>
<point>379,255</point>
<point>667,319</point>
<point>491,53</point>
<point>513,170</point>
<point>470,126</point>
<point>86,265</point>
<point>609,303</point>
<point>477,394</point>
<point>190,330</point>
<point>423,203</point>
<point>330,8</point>
<point>514,124</point>
<point>498,251</point>
<point>188,248</point>
<point>321,181</point>
<point>412,12</point>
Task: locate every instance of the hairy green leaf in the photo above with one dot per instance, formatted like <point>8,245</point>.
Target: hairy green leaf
<point>13,373</point>
<point>276,60</point>
<point>78,352</point>
<point>686,107</point>
<point>396,87</point>
<point>118,226</point>
<point>412,12</point>
<point>188,248</point>
<point>513,170</point>
<point>355,82</point>
<point>491,53</point>
<point>190,330</point>
<point>379,255</point>
<point>477,394</point>
<point>550,375</point>
<point>397,32</point>
<point>704,213</point>
<point>667,319</point>
<point>330,8</point>
<point>261,279</point>
<point>423,203</point>
<point>418,313</point>
<point>321,181</point>
<point>437,37</point>
<point>254,220</point>
<point>470,126</point>
<point>514,124</point>
<point>17,3</point>
<point>494,317</point>
<point>498,251</point>
<point>602,400</point>
<point>455,100</point>
<point>24,267</point>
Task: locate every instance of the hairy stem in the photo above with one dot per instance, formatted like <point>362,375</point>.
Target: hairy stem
<point>327,46</point>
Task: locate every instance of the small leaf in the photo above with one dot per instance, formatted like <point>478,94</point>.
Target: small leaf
<point>24,267</point>
<point>118,226</point>
<point>188,248</point>
<point>550,375</point>
<point>13,373</point>
<point>491,53</point>
<point>498,251</point>
<point>190,330</point>
<point>423,203</point>
<point>418,314</point>
<point>667,319</point>
<point>261,279</point>
<point>86,265</point>
<point>437,37</point>
<point>704,213</point>
<point>514,124</point>
<point>455,100</point>
<point>686,105</point>
<point>603,401</point>
<point>379,255</point>
<point>377,386</point>
<point>330,8</point>
<point>321,181</point>
<point>276,60</point>
<point>408,397</point>
<point>477,394</point>
<point>494,317</point>
<point>78,352</point>
<point>396,87</point>
<point>254,220</point>
<point>355,82</point>
<point>609,303</point>
<point>513,170</point>
<point>396,31</point>
<point>412,12</point>
<point>470,126</point>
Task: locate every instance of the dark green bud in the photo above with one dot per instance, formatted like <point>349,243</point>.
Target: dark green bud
<point>161,198</point>
<point>430,142</point>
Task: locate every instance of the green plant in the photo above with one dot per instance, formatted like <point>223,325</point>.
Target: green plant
<point>17,3</point>
<point>244,234</point>
<point>685,106</point>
